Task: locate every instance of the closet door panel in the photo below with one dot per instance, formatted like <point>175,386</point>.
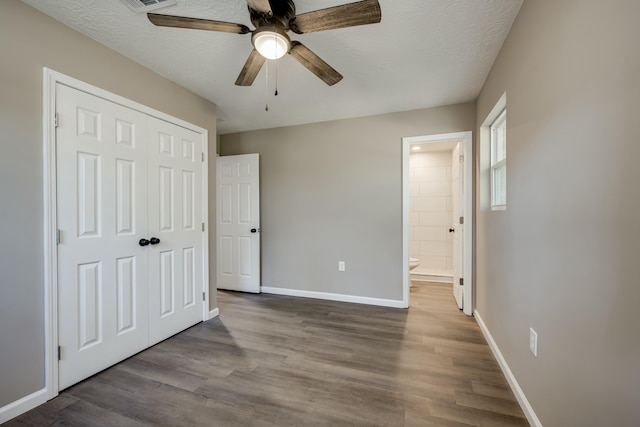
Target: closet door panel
<point>101,152</point>
<point>175,218</point>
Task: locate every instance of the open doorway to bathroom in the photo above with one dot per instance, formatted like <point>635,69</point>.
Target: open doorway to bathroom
<point>437,213</point>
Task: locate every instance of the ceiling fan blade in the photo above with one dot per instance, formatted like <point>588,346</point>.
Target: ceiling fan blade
<point>260,6</point>
<point>314,64</point>
<point>348,15</point>
<point>251,69</point>
<point>197,24</point>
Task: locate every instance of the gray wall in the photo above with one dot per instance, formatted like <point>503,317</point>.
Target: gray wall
<point>563,258</point>
<point>29,41</point>
<point>333,192</point>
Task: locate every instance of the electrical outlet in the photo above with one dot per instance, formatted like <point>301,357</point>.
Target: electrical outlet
<point>533,342</point>
<point>341,266</point>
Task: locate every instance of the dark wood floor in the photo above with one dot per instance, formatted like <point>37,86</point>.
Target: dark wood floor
<point>281,361</point>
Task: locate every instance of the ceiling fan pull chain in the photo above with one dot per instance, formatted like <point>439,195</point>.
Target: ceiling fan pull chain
<point>276,94</point>
<point>266,87</point>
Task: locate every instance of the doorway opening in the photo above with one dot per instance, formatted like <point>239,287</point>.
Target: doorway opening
<point>438,213</point>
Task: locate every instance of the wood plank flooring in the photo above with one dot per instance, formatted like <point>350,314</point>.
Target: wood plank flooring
<point>281,361</point>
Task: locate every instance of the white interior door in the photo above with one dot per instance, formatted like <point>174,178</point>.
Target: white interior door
<point>102,213</point>
<point>238,222</point>
<point>457,182</point>
<point>176,229</point>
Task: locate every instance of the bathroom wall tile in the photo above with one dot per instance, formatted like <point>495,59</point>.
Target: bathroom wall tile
<point>419,204</point>
<point>416,160</point>
<point>431,263</point>
<point>415,218</point>
<point>414,189</point>
<point>429,174</point>
<point>431,204</point>
<point>435,218</point>
<point>445,188</point>
<point>414,249</point>
<point>437,158</point>
<point>427,189</point>
<point>432,233</point>
<point>436,173</point>
<point>435,189</point>
<point>421,174</point>
<point>442,249</point>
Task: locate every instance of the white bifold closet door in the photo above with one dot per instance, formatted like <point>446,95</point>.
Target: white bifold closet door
<point>129,212</point>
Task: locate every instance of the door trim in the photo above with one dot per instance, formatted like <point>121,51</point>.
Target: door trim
<point>468,209</point>
<point>52,78</point>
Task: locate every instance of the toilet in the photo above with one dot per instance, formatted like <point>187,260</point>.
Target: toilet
<point>413,263</point>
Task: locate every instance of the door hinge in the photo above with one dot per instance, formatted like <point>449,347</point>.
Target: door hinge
<point>461,158</point>
<point>58,236</point>
<point>59,353</point>
<point>203,226</point>
<point>462,220</point>
<point>461,281</point>
<point>56,120</point>
<point>204,296</point>
<point>202,156</point>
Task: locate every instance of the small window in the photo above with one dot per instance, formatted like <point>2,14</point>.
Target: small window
<point>499,161</point>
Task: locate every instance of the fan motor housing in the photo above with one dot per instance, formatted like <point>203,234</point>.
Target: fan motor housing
<point>283,11</point>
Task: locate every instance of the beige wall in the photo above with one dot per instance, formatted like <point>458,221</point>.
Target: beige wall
<point>563,258</point>
<point>30,41</point>
<point>333,192</point>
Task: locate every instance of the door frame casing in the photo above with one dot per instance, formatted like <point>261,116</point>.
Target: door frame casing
<point>467,139</point>
<point>51,79</point>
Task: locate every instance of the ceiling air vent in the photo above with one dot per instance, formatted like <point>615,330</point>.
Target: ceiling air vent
<point>143,6</point>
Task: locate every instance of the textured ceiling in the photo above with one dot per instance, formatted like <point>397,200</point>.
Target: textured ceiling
<point>424,53</point>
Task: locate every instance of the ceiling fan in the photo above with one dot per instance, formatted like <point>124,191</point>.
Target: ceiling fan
<point>273,19</point>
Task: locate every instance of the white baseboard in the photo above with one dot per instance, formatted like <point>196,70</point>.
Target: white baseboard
<point>511,379</point>
<point>334,297</point>
<point>23,405</point>
<point>213,313</point>
<point>431,278</point>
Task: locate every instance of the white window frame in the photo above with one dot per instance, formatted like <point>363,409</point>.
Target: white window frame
<point>495,165</point>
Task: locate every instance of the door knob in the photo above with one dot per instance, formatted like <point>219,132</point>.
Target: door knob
<point>451,230</point>
<point>253,230</point>
<point>143,242</point>
<point>154,241</point>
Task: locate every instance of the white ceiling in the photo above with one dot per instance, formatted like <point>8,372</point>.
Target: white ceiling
<point>424,53</point>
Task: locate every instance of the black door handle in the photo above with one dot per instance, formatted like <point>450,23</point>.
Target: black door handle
<point>253,230</point>
<point>143,242</point>
<point>452,230</point>
<point>154,241</point>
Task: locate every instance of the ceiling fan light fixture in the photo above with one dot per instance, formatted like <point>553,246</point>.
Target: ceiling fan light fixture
<point>272,43</point>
